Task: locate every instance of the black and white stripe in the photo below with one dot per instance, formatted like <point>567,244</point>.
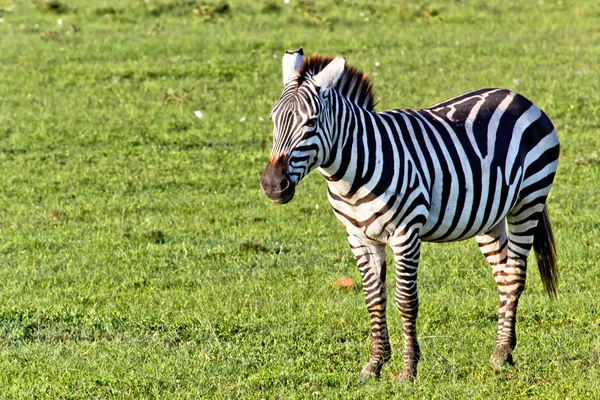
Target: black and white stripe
<point>476,165</point>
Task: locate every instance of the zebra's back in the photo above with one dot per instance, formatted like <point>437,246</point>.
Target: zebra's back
<point>479,155</point>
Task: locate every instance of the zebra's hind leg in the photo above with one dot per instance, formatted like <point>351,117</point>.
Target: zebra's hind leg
<point>494,246</point>
<point>522,224</point>
<point>407,251</point>
<point>370,257</point>
<point>511,275</point>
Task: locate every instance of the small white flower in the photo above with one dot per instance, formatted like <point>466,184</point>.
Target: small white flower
<point>242,119</point>
<point>456,43</point>
<point>286,1</point>
<point>316,206</point>
<point>362,14</point>
<point>36,26</point>
<point>516,81</point>
<point>261,119</point>
<point>59,21</point>
<point>198,114</point>
<point>377,64</point>
<point>1,20</point>
<point>275,56</point>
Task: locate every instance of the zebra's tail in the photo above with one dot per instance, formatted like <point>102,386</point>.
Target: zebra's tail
<point>545,254</point>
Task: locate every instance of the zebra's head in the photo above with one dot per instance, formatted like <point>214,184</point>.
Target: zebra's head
<point>301,138</point>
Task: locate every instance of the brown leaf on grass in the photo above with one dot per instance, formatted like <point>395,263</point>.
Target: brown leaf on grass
<point>345,283</point>
<point>395,374</point>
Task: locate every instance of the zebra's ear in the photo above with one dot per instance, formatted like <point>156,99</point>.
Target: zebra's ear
<point>331,74</point>
<point>291,62</point>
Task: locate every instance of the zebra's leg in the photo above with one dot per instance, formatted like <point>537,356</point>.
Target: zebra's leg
<point>370,257</point>
<point>522,223</point>
<point>407,250</point>
<point>493,245</point>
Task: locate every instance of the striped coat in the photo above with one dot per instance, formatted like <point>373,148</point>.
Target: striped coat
<point>480,164</point>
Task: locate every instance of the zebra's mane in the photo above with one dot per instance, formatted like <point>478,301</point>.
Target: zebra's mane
<point>354,84</point>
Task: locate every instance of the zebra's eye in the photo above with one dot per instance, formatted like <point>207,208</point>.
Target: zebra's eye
<point>311,123</point>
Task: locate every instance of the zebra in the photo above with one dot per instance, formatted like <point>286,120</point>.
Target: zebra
<point>478,165</point>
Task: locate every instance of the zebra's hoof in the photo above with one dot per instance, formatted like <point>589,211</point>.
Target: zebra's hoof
<point>501,358</point>
<point>369,373</point>
<point>407,375</point>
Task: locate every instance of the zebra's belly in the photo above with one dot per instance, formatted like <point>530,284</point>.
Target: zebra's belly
<point>461,231</point>
<point>471,212</point>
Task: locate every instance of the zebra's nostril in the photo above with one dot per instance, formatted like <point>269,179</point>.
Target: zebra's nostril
<point>284,184</point>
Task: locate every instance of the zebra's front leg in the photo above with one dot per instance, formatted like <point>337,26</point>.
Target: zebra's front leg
<point>370,257</point>
<point>407,250</point>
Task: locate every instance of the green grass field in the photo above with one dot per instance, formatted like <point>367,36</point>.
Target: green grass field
<point>139,258</point>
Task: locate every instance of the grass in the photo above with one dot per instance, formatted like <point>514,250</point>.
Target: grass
<point>138,257</point>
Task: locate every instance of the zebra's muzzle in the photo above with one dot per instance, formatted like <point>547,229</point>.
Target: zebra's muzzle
<point>276,184</point>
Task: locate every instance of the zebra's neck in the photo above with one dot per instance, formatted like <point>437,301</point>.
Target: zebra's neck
<point>356,156</point>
